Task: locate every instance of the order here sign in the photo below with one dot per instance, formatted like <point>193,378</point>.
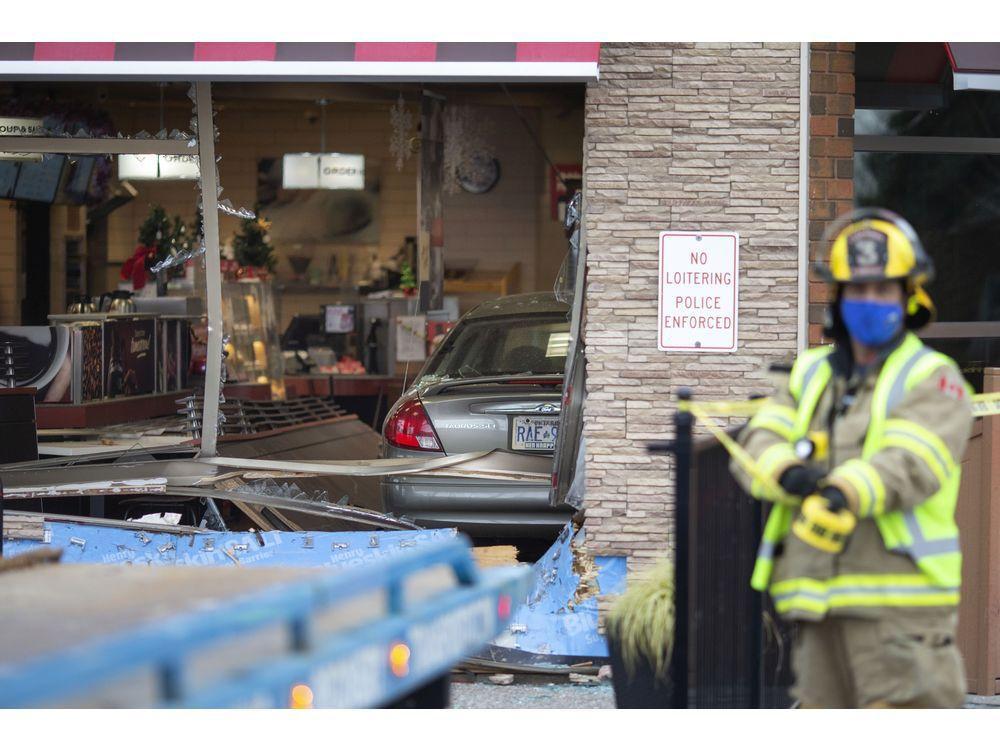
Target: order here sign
<point>699,290</point>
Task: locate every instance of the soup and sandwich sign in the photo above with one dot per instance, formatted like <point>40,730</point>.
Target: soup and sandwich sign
<point>699,291</point>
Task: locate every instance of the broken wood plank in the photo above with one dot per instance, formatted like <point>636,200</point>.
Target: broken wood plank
<point>30,559</point>
<point>23,526</point>
<point>496,556</point>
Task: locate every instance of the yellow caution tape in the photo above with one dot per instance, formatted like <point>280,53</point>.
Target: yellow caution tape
<point>725,408</point>
<point>983,405</point>
<point>739,454</point>
<point>986,404</point>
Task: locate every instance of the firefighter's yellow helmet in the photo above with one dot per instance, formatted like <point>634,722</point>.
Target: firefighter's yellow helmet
<point>874,244</point>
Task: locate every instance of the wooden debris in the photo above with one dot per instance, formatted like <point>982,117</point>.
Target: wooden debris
<point>23,526</point>
<point>501,679</point>
<point>495,557</point>
<point>30,559</point>
<point>584,679</point>
<point>585,567</point>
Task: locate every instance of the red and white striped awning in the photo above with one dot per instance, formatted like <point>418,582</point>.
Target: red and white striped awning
<point>334,61</point>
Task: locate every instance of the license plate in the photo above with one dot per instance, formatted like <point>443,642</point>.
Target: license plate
<point>534,433</point>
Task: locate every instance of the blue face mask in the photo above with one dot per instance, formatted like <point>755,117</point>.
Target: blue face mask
<point>872,323</point>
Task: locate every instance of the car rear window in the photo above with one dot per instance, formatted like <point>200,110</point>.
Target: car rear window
<point>529,345</point>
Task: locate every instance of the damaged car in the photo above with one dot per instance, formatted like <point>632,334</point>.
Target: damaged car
<point>493,385</point>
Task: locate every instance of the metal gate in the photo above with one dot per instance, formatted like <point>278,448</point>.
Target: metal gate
<point>738,652</point>
<point>730,650</point>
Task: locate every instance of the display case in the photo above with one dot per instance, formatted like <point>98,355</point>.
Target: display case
<point>253,353</point>
<point>91,357</point>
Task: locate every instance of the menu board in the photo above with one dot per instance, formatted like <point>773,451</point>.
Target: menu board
<point>8,176</point>
<point>39,181</point>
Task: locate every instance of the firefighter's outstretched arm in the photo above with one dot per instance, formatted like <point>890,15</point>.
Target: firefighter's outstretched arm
<point>924,439</point>
<point>768,439</point>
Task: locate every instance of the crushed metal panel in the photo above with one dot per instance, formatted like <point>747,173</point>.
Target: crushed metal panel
<point>345,440</point>
<point>85,478</point>
<point>337,515</point>
<point>501,465</point>
<point>370,468</point>
<point>558,622</point>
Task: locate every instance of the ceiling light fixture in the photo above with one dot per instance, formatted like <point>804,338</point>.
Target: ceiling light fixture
<point>323,170</point>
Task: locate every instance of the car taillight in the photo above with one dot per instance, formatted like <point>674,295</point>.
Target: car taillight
<point>410,427</point>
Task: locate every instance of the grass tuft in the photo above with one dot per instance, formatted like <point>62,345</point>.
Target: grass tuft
<point>642,620</point>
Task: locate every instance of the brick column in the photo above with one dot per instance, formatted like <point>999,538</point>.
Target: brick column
<point>684,137</point>
<point>831,157</point>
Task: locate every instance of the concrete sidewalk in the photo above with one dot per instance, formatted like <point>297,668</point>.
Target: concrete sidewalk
<point>562,695</point>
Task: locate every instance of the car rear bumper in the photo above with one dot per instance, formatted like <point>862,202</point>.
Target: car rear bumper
<point>477,508</point>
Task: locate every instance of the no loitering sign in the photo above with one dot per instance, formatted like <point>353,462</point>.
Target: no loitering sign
<point>699,291</point>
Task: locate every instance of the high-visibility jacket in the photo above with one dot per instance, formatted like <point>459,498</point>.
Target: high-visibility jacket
<point>896,436</point>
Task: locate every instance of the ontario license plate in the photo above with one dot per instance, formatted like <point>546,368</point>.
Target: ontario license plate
<point>534,433</point>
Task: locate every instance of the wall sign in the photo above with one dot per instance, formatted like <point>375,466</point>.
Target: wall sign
<point>324,171</point>
<point>342,171</point>
<point>699,291</point>
<point>158,167</point>
<point>22,126</point>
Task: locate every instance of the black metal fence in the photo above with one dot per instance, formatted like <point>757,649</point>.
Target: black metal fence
<point>738,652</point>
<point>729,649</point>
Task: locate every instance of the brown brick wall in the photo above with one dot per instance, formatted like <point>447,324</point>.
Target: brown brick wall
<point>684,137</point>
<point>831,156</point>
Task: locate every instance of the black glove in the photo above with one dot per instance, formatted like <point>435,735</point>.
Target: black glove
<point>835,499</point>
<point>800,480</point>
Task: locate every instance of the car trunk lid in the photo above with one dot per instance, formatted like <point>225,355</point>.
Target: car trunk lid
<point>511,415</point>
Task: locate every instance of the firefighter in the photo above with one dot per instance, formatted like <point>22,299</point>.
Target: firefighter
<point>859,454</point>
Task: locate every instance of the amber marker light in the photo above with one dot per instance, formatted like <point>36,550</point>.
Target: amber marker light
<point>302,696</point>
<point>399,659</point>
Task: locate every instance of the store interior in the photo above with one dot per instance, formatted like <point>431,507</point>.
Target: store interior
<point>320,265</point>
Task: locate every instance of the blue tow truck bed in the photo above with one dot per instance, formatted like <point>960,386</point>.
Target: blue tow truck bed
<point>137,636</point>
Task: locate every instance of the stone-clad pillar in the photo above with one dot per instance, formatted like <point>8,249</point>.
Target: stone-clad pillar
<point>682,137</point>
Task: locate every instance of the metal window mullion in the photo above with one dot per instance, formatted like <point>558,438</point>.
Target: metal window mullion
<point>213,272</point>
<point>971,329</point>
<point>912,144</point>
<point>95,146</point>
<point>803,234</point>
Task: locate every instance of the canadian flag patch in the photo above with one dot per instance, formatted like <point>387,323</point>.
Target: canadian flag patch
<point>951,387</point>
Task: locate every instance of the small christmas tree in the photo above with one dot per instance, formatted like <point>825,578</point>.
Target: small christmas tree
<point>159,237</point>
<point>252,245</point>
<point>407,280</point>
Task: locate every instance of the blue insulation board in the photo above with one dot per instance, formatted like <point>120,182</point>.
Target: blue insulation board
<point>87,543</point>
<point>550,623</point>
